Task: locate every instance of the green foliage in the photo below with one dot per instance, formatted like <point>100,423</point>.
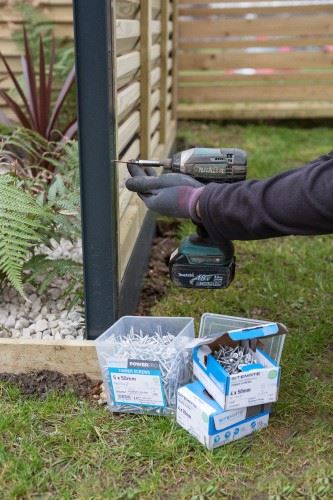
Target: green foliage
<point>22,226</point>
<point>25,153</point>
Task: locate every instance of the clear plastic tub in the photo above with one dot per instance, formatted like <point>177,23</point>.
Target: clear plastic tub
<point>144,360</point>
<point>217,324</point>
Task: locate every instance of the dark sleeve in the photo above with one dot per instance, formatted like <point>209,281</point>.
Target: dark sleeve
<point>296,202</point>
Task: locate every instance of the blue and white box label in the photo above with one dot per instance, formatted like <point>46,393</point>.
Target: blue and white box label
<point>137,386</point>
<point>201,416</point>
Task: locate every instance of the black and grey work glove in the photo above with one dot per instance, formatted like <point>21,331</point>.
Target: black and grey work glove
<point>174,195</point>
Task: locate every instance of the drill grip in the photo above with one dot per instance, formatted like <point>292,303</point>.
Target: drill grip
<point>201,236</point>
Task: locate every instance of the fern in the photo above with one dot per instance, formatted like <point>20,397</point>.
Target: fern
<point>23,225</point>
<point>63,194</point>
<point>43,205</point>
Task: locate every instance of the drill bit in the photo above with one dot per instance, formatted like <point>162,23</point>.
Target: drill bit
<point>146,163</point>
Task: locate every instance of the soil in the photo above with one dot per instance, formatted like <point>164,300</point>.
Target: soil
<point>41,383</point>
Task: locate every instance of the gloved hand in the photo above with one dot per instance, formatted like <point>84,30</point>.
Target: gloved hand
<point>174,195</point>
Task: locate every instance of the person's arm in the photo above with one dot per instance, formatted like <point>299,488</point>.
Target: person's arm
<point>296,202</point>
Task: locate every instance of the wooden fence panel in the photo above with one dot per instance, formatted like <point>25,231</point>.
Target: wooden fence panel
<point>145,80</point>
<point>146,129</point>
<point>245,59</point>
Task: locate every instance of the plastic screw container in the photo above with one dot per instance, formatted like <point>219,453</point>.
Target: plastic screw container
<point>144,361</point>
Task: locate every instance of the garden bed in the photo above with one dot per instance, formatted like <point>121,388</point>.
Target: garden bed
<point>62,348</point>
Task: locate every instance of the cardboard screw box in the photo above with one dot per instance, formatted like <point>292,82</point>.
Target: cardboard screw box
<point>201,416</point>
<point>250,387</point>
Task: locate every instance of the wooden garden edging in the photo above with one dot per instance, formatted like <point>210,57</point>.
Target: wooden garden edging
<point>68,357</point>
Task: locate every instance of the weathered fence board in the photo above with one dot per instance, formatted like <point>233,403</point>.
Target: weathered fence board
<point>290,26</point>
<point>243,59</point>
<point>242,53</point>
<point>270,92</point>
<point>190,7</point>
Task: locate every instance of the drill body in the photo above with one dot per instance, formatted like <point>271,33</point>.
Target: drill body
<point>211,164</point>
<point>198,262</point>
<point>205,164</point>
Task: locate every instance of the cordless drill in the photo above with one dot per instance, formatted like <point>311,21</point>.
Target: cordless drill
<point>198,262</point>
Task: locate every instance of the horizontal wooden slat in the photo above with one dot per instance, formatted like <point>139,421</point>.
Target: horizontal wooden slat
<point>131,153</point>
<point>155,143</point>
<point>155,120</point>
<point>64,30</point>
<point>126,45</point>
<point>127,28</point>
<point>128,129</point>
<point>240,59</point>
<point>217,42</point>
<point>156,4</point>
<point>128,63</point>
<point>155,76</point>
<point>124,194</point>
<point>51,2</point>
<point>255,110</point>
<point>205,77</point>
<point>155,99</point>
<point>156,27</point>
<point>241,4</point>
<point>257,7</point>
<point>155,51</point>
<point>130,225</point>
<point>63,14</point>
<point>291,26</point>
<point>127,9</point>
<point>14,62</point>
<point>269,92</point>
<point>163,150</point>
<point>128,96</point>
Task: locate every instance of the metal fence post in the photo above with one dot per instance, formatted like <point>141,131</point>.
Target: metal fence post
<point>95,61</point>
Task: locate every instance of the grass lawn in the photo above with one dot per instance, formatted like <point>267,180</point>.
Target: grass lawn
<point>66,448</point>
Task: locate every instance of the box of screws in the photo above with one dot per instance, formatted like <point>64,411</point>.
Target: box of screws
<point>144,360</point>
<point>235,368</point>
<point>200,415</point>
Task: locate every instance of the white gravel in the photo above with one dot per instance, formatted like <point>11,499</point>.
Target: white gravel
<point>43,317</point>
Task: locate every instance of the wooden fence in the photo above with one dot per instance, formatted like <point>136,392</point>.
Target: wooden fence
<point>145,86</point>
<point>255,59</point>
<point>146,95</point>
